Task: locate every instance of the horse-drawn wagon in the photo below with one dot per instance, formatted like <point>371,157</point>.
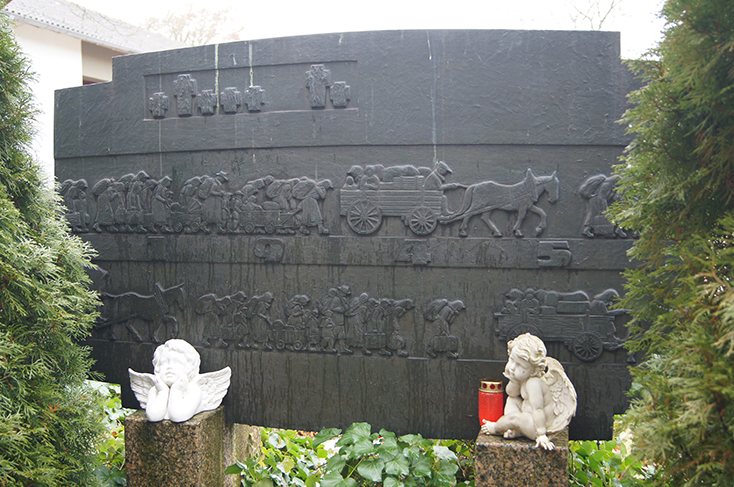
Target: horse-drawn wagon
<point>585,326</point>
<point>405,196</point>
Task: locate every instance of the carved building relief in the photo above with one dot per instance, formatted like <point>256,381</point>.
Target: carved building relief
<point>585,325</point>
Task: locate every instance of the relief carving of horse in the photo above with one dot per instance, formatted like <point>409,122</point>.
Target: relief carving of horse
<point>485,197</point>
<point>156,309</point>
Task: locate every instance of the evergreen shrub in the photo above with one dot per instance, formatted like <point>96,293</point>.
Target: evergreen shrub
<point>49,417</point>
<point>677,189</point>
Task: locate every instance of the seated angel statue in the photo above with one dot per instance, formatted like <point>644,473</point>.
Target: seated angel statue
<point>539,401</point>
<point>176,390</point>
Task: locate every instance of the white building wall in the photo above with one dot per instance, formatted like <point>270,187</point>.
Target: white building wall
<point>57,61</point>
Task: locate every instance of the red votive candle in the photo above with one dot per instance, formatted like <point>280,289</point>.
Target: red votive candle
<point>491,401</point>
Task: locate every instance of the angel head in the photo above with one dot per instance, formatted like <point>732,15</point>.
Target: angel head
<point>527,358</point>
<point>176,357</point>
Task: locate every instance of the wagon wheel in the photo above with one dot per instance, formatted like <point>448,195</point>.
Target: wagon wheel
<point>270,227</point>
<point>249,227</point>
<point>422,220</point>
<point>587,346</point>
<point>297,346</point>
<point>364,217</point>
<point>280,344</point>
<point>178,227</point>
<point>521,329</point>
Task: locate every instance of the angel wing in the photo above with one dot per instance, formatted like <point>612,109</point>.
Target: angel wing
<point>214,387</point>
<point>141,383</point>
<point>564,395</point>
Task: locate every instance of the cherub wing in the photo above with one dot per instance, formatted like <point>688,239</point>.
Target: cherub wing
<point>214,387</point>
<point>564,395</point>
<point>141,383</point>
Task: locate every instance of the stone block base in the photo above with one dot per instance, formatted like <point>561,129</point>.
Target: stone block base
<point>517,463</point>
<point>192,454</point>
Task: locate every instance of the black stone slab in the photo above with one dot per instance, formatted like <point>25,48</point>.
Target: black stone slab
<point>280,204</point>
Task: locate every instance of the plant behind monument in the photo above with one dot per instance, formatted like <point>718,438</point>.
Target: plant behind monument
<point>49,417</point>
<point>358,457</point>
<point>676,190</point>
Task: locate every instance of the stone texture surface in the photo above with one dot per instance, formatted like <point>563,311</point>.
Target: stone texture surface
<point>192,454</point>
<point>517,463</point>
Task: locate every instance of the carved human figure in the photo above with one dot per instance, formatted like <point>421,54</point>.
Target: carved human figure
<point>309,192</point>
<point>540,397</point>
<point>370,180</point>
<point>318,78</point>
<point>280,192</point>
<point>211,192</point>
<point>443,312</point>
<point>176,390</point>
<point>161,204</point>
<point>394,310</point>
<point>357,316</point>
<point>258,314</point>
<point>599,193</point>
<point>335,303</point>
<point>105,194</point>
<point>75,199</point>
<point>436,180</point>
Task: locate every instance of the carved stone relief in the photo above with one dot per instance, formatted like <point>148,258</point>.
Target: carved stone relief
<point>415,252</point>
<point>554,254</point>
<point>207,102</point>
<point>269,249</point>
<point>337,322</point>
<point>340,92</point>
<point>74,194</point>
<point>156,312</point>
<point>442,312</point>
<point>185,91</point>
<point>416,195</point>
<point>158,105</point>
<point>254,98</point>
<point>231,99</point>
<point>598,193</point>
<point>318,78</point>
<point>141,204</point>
<point>585,325</point>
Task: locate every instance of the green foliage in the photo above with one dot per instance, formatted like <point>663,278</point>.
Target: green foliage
<point>110,457</point>
<point>676,187</point>
<point>606,464</point>
<point>49,417</point>
<point>358,457</point>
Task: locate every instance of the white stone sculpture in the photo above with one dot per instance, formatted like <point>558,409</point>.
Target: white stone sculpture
<point>176,390</point>
<point>539,401</point>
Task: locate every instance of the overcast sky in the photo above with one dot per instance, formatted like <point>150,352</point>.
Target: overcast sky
<point>637,20</point>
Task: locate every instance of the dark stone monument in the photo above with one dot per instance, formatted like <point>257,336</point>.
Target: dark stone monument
<point>357,223</point>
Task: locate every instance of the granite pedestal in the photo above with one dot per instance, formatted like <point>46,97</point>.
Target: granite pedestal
<point>192,454</point>
<point>499,462</point>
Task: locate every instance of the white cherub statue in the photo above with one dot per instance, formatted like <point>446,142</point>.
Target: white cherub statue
<point>539,402</point>
<point>176,390</point>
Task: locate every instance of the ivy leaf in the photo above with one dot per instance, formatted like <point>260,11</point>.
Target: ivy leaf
<point>335,479</point>
<point>325,435</point>
<point>421,467</point>
<point>263,483</point>
<point>336,464</point>
<point>392,482</point>
<point>371,469</point>
<point>443,453</point>
<point>398,466</point>
<point>363,447</point>
<point>355,433</point>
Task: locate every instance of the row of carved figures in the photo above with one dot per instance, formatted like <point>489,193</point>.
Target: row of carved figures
<point>137,202</point>
<point>338,322</point>
<point>185,90</point>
